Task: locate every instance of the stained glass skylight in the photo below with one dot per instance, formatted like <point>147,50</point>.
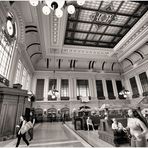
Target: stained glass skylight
<point>102,23</point>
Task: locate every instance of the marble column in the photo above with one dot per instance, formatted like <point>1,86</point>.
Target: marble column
<point>59,88</point>
<point>115,89</point>
<point>139,85</point>
<point>90,87</point>
<point>128,87</point>
<point>74,89</point>
<point>34,83</point>
<point>105,89</point>
<point>94,88</point>
<point>71,88</point>
<point>46,83</point>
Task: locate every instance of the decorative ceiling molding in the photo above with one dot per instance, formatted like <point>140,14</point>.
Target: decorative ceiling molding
<point>36,53</point>
<point>57,31</point>
<point>113,66</point>
<point>30,26</point>
<point>135,42</point>
<point>132,32</point>
<point>129,60</point>
<point>38,44</point>
<point>103,65</point>
<point>77,50</point>
<point>142,67</point>
<point>20,23</point>
<point>137,34</point>
<point>27,31</point>
<point>141,55</point>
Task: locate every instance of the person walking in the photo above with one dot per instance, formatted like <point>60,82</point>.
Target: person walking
<point>21,132</point>
<point>63,118</point>
<point>30,131</point>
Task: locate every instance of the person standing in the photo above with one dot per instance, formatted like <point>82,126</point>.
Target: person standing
<point>30,131</point>
<point>89,123</point>
<point>63,118</point>
<point>138,129</point>
<point>119,134</point>
<point>21,132</point>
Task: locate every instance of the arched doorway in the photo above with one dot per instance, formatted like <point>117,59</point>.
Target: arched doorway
<point>84,111</point>
<point>38,114</point>
<point>66,111</point>
<point>51,114</point>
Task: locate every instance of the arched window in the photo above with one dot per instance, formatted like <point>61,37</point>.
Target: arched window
<point>7,44</point>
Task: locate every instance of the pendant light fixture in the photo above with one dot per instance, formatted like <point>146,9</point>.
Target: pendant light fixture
<point>54,93</point>
<point>56,6</point>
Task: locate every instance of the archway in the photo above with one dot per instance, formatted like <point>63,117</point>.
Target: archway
<point>51,114</point>
<point>38,114</point>
<point>66,111</point>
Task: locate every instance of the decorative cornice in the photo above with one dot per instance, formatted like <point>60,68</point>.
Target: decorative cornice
<point>20,24</point>
<point>136,37</point>
<point>87,50</point>
<point>135,42</point>
<point>55,30</point>
<point>132,32</point>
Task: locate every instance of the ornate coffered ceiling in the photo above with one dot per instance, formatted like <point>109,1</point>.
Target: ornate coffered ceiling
<point>100,31</point>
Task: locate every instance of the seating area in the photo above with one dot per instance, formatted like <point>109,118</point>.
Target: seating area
<point>80,121</point>
<point>107,134</point>
<point>104,125</point>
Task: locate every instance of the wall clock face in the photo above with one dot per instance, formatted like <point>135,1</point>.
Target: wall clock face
<point>10,28</point>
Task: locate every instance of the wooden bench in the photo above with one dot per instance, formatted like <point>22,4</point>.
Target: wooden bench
<point>107,134</point>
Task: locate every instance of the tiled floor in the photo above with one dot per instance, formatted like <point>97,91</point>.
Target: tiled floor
<point>91,137</point>
<point>51,135</point>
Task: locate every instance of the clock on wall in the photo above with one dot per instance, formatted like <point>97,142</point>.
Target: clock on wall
<point>10,27</point>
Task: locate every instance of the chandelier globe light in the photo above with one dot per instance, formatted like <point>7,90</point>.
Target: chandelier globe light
<point>34,2</point>
<point>53,92</point>
<point>124,92</point>
<point>46,10</point>
<point>58,13</point>
<point>57,6</point>
<point>80,2</point>
<point>71,9</point>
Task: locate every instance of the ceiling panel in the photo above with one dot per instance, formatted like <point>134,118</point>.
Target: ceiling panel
<point>107,38</point>
<point>83,26</point>
<point>120,20</point>
<point>128,7</point>
<point>91,5</point>
<point>80,35</point>
<point>102,23</point>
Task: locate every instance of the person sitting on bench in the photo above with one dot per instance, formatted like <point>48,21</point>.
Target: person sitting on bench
<point>119,133</point>
<point>89,123</point>
<point>117,125</point>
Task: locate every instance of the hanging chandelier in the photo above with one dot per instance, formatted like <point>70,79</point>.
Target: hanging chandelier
<point>56,6</point>
<point>124,92</point>
<point>53,92</point>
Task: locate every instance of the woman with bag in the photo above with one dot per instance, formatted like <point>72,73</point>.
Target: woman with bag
<point>22,131</point>
<point>138,129</point>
